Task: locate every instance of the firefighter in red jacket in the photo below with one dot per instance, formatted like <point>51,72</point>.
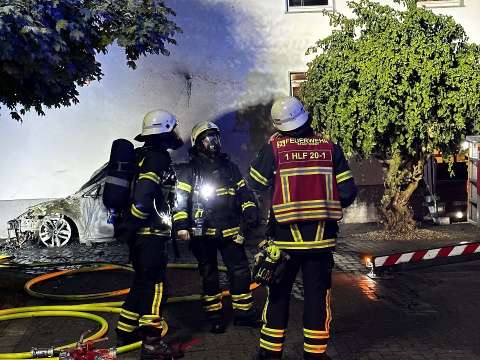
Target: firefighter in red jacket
<point>311,184</point>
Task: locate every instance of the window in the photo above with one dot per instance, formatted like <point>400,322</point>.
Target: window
<point>296,79</point>
<point>308,5</point>
<point>96,177</point>
<point>94,192</point>
<point>439,3</point>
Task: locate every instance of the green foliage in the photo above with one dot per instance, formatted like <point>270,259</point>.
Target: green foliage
<point>48,48</point>
<point>395,84</point>
<point>392,81</point>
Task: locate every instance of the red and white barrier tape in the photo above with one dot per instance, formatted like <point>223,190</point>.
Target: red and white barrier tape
<point>429,254</point>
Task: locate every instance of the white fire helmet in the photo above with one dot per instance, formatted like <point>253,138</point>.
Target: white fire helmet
<point>157,122</point>
<point>288,114</point>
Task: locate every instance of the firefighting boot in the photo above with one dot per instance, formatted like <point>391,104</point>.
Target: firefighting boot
<point>217,324</point>
<point>249,318</point>
<point>267,355</point>
<point>126,338</point>
<point>154,348</point>
<point>308,356</point>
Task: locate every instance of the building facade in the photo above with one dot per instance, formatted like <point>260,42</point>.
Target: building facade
<point>231,60</point>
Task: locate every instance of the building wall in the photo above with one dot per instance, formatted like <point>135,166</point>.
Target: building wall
<point>231,60</point>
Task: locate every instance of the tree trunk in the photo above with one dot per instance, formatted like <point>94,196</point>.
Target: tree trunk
<point>400,183</point>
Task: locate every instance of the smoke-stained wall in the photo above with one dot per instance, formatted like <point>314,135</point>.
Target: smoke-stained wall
<point>231,60</point>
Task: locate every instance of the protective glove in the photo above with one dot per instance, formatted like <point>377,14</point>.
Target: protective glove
<point>273,252</point>
<point>251,217</point>
<point>263,272</point>
<point>267,264</point>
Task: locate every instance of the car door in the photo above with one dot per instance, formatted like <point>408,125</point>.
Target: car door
<point>95,214</point>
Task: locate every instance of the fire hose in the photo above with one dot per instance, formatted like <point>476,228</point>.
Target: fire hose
<point>83,310</point>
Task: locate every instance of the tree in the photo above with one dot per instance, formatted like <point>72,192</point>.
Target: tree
<point>395,84</point>
<point>48,48</point>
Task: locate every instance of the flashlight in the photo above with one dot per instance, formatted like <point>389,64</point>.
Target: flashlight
<point>206,191</point>
<point>167,220</point>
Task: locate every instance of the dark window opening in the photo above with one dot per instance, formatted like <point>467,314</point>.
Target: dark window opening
<point>307,2</point>
<point>460,172</point>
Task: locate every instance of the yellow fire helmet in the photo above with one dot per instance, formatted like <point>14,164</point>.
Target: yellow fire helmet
<point>200,128</point>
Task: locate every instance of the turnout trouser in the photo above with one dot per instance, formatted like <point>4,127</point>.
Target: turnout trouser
<point>316,270</point>
<point>233,254</point>
<point>147,294</point>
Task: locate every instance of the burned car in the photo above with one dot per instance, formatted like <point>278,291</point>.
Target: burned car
<point>55,223</point>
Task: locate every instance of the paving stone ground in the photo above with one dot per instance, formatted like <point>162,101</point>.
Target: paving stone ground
<point>428,314</point>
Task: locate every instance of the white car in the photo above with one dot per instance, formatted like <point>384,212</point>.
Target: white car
<point>56,223</point>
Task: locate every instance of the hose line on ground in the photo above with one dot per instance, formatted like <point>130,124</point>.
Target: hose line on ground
<point>103,267</point>
<point>80,311</point>
<point>83,310</point>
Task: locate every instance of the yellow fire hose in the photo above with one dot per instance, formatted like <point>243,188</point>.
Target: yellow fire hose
<point>5,258</point>
<point>113,293</point>
<point>82,310</point>
<point>41,313</point>
<point>69,311</point>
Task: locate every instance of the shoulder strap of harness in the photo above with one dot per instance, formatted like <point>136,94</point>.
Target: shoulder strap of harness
<point>274,136</point>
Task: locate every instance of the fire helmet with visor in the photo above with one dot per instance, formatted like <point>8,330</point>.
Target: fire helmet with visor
<point>160,124</point>
<point>206,136</point>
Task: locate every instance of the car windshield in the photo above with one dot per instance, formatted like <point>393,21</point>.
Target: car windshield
<point>96,177</point>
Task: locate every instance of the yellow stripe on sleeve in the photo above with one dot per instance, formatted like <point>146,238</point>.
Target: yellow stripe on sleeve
<point>181,215</point>
<point>230,232</point>
<point>344,176</point>
<point>258,177</point>
<point>241,184</point>
<point>184,186</point>
<point>149,176</point>
<point>247,204</point>
<point>138,213</point>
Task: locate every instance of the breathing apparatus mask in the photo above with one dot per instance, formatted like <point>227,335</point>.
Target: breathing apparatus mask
<point>174,141</point>
<point>170,140</point>
<point>210,143</point>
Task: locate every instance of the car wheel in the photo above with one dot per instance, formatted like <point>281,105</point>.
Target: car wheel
<point>55,232</point>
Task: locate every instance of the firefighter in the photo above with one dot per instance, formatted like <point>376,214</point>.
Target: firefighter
<point>311,183</point>
<point>146,230</point>
<point>212,198</point>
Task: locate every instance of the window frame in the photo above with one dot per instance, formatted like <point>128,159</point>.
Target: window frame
<point>429,4</point>
<point>292,82</point>
<point>97,177</point>
<point>307,9</point>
